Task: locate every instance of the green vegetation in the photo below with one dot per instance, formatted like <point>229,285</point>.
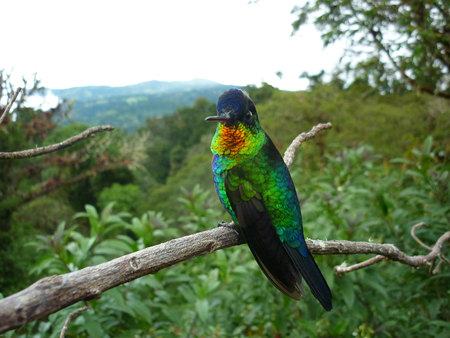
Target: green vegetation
<point>356,196</point>
<point>348,189</point>
<point>37,193</point>
<point>394,45</point>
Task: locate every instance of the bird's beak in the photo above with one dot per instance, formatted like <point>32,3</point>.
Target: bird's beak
<point>223,119</point>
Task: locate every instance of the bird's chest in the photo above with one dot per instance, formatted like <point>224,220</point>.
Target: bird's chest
<point>235,145</point>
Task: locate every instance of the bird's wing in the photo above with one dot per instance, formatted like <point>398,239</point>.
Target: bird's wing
<point>262,238</point>
<point>293,240</point>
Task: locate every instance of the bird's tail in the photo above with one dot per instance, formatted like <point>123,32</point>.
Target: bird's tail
<point>310,272</point>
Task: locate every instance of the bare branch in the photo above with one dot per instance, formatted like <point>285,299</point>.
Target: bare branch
<point>413,235</point>
<point>48,149</point>
<point>415,261</point>
<point>54,293</point>
<point>70,317</point>
<point>289,154</point>
<point>340,269</point>
<point>12,99</point>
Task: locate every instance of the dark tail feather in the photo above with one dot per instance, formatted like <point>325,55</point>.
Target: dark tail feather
<point>266,247</point>
<point>284,266</point>
<point>312,276</point>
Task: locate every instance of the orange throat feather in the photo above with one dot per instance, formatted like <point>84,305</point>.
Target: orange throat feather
<point>236,141</point>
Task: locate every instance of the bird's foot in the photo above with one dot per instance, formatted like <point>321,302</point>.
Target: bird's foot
<point>233,227</point>
<point>226,224</point>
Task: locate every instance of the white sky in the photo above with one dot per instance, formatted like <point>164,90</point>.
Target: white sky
<point>79,43</point>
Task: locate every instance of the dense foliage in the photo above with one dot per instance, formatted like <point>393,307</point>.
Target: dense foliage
<point>394,45</point>
<point>356,196</point>
<point>36,193</point>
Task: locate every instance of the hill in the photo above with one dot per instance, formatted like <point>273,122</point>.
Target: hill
<point>128,107</point>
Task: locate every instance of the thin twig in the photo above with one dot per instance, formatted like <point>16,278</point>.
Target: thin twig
<point>437,268</point>
<point>12,99</point>
<point>389,251</point>
<point>340,270</point>
<point>48,149</point>
<point>70,317</point>
<point>413,235</point>
<point>289,154</point>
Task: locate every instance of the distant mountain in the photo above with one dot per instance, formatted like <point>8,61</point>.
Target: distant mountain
<point>128,107</point>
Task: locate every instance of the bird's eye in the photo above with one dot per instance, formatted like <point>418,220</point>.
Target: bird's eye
<point>249,115</point>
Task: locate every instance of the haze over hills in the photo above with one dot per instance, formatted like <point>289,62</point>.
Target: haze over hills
<point>128,107</point>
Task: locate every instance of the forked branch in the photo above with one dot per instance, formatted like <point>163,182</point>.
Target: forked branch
<point>11,101</point>
<point>289,154</point>
<point>390,251</point>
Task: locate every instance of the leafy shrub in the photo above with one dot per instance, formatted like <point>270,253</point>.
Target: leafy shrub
<point>126,197</point>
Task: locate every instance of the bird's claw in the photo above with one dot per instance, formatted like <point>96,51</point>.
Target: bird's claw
<point>231,226</point>
<point>226,224</point>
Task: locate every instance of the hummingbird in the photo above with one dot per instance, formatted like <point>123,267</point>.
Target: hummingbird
<point>255,187</point>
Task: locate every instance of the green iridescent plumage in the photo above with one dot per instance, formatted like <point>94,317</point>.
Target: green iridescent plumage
<point>254,185</point>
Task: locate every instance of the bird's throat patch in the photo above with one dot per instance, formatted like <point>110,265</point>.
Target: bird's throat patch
<point>237,140</point>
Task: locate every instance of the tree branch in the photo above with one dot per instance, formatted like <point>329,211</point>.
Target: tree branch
<point>377,37</point>
<point>289,154</point>
<point>51,148</point>
<point>413,235</point>
<point>340,270</point>
<point>12,99</point>
<point>390,251</point>
<point>54,293</point>
<point>69,318</point>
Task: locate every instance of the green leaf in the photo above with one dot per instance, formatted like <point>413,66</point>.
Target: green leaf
<point>202,309</point>
<point>93,327</point>
<point>347,290</point>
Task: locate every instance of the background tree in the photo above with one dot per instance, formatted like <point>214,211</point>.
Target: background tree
<point>392,45</point>
<point>36,193</point>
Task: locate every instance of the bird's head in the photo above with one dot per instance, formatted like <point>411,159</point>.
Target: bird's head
<point>234,107</point>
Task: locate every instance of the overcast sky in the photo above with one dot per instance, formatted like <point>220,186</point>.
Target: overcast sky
<point>79,43</point>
